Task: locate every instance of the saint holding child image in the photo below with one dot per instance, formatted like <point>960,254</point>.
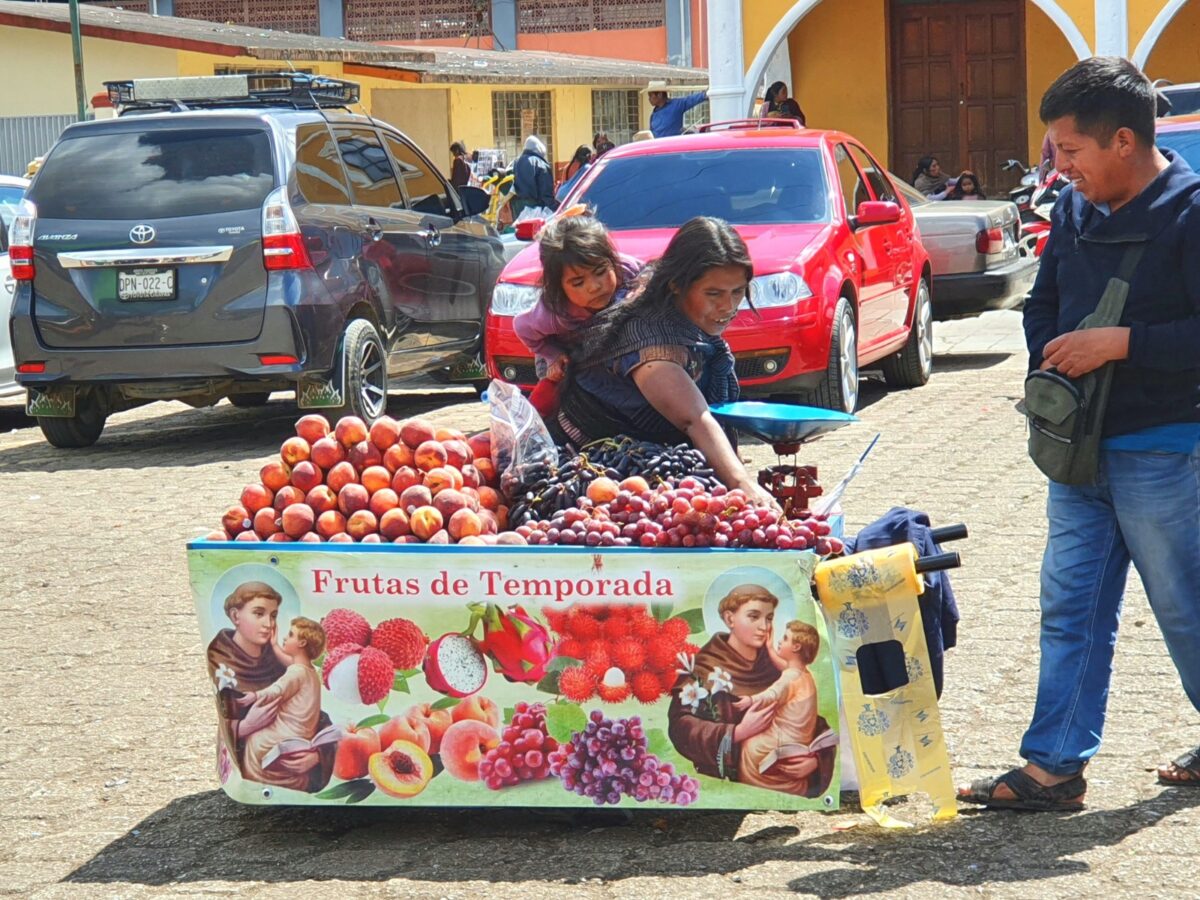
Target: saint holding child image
<point>724,709</point>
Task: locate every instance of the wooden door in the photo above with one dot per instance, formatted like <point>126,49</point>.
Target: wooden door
<point>958,87</point>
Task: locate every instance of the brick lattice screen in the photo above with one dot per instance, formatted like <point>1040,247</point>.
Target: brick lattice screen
<point>542,16</point>
<point>412,20</point>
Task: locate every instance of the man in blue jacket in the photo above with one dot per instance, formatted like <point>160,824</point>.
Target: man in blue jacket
<point>1145,505</point>
<point>533,182</point>
<point>667,118</point>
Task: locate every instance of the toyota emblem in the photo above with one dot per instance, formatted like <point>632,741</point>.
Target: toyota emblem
<point>141,234</point>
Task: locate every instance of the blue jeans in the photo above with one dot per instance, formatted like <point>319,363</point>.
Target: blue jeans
<point>1145,507</point>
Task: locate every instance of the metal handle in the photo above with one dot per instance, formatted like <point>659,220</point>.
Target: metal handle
<point>432,236</point>
<point>374,229</point>
<point>938,562</point>
<point>948,533</point>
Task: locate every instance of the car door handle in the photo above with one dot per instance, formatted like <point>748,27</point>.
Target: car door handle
<point>432,236</point>
<point>374,229</point>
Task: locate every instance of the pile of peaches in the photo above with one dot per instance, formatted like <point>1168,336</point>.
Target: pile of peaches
<point>393,482</point>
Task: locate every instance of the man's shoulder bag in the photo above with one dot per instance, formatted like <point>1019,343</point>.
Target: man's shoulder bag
<point>1066,415</point>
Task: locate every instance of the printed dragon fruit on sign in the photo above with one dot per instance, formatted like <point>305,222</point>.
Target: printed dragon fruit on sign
<point>519,645</point>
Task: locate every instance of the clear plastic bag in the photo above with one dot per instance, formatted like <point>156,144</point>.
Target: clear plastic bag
<point>520,442</point>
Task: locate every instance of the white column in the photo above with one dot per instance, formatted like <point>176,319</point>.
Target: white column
<point>726,67</point>
<point>1112,27</point>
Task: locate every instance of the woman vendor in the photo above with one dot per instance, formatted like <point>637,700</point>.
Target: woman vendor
<point>710,731</point>
<point>651,366</point>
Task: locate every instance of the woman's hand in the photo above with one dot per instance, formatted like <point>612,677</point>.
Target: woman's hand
<point>743,703</point>
<point>557,370</point>
<point>246,699</point>
<point>259,717</point>
<point>755,722</point>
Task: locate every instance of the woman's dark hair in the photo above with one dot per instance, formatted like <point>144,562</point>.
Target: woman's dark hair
<point>1103,94</point>
<point>701,244</point>
<point>572,241</point>
<point>957,192</point>
<point>583,156</point>
<point>771,94</point>
<point>923,165</point>
<point>458,148</point>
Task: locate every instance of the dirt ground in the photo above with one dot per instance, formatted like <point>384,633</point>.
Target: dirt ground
<point>106,744</point>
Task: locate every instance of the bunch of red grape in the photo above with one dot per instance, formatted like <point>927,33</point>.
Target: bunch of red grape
<point>608,760</point>
<point>684,515</point>
<point>523,753</point>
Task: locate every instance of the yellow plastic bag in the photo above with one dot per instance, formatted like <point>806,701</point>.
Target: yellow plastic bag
<point>899,747</point>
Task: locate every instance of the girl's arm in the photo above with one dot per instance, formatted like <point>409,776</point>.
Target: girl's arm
<point>671,391</point>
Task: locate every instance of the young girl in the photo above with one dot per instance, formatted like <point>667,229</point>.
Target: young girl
<point>581,275</point>
<point>966,188</point>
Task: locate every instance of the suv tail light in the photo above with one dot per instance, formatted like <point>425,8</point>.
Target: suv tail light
<point>990,241</point>
<point>20,242</point>
<point>283,244</point>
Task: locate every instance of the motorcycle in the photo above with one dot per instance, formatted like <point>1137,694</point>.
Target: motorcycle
<point>1035,221</point>
<point>1022,194</point>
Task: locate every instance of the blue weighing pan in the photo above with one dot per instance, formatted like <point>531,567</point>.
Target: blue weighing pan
<point>779,423</point>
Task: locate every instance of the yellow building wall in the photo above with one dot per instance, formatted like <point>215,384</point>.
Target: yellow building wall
<point>38,69</point>
<point>1047,55</point>
<point>839,55</point>
<point>1177,54</point>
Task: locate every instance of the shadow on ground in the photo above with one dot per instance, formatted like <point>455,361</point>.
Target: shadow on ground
<point>206,837</point>
<point>195,436</point>
<point>965,362</point>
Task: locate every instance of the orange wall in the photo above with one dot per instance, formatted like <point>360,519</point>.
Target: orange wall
<point>642,44</point>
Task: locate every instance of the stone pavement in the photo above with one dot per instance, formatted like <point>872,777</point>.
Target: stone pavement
<point>106,745</point>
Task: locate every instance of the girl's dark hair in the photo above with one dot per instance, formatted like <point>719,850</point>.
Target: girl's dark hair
<point>772,93</point>
<point>458,148</point>
<point>1103,94</point>
<point>923,165</point>
<point>572,241</point>
<point>582,154</point>
<point>958,188</point>
<point>701,244</point>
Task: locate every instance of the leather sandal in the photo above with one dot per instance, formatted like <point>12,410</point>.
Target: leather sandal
<point>1028,794</point>
<point>1186,770</point>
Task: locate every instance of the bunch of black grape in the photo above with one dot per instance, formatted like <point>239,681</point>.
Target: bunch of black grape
<point>624,456</point>
<point>608,760</point>
<point>538,492</point>
<point>686,515</point>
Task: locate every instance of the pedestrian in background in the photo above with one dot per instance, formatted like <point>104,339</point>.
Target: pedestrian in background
<point>966,187</point>
<point>1131,214</point>
<point>929,179</point>
<point>460,169</point>
<point>667,118</point>
<point>533,182</point>
<point>601,144</point>
<point>777,104</point>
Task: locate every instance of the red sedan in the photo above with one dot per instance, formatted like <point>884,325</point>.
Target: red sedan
<point>841,279</point>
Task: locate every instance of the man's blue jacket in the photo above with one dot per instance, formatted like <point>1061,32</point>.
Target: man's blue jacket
<point>1159,383</point>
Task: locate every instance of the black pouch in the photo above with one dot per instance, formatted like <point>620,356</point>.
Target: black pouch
<point>1058,410</point>
<point>1066,415</point>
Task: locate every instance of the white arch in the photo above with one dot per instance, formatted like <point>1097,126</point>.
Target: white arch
<point>779,33</point>
<point>1067,26</point>
<point>1146,45</point>
<point>802,8</point>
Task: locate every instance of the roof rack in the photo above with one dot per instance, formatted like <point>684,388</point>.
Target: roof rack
<point>295,90</point>
<point>758,124</point>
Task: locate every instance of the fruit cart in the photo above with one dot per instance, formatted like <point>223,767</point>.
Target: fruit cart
<point>383,628</point>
